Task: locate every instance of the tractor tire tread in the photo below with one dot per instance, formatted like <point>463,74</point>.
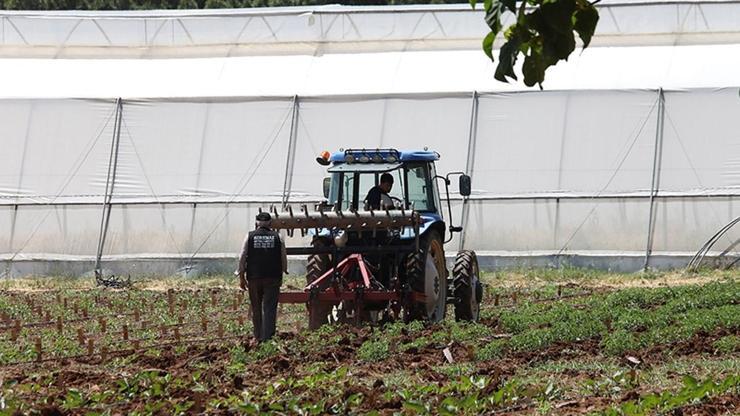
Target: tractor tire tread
<point>462,272</point>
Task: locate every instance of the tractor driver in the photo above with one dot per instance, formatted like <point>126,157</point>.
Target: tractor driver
<point>377,198</point>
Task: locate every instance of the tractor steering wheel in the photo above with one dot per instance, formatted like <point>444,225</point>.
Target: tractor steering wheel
<point>397,202</point>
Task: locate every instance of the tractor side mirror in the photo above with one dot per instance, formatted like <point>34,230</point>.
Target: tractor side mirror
<point>327,185</point>
<point>464,185</point>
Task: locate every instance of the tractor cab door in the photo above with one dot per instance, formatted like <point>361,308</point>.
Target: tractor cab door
<point>421,190</point>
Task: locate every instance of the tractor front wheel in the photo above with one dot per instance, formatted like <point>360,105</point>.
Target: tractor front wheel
<point>468,288</point>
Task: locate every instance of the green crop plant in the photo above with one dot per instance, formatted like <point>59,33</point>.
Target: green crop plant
<point>727,344</point>
<point>692,392</point>
<point>373,350</point>
<point>491,350</point>
<point>619,342</point>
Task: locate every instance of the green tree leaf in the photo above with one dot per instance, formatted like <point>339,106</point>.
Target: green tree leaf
<point>488,44</point>
<point>506,60</point>
<point>494,10</point>
<point>584,22</point>
<point>510,4</point>
<point>533,70</point>
<point>544,33</point>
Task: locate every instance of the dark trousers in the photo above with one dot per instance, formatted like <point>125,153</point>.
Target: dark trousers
<point>263,296</point>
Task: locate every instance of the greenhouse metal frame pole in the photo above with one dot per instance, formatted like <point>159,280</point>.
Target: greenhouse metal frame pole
<point>655,182</point>
<point>469,165</point>
<point>203,135</point>
<point>290,160</point>
<point>110,182</point>
<point>14,217</point>
<point>563,137</point>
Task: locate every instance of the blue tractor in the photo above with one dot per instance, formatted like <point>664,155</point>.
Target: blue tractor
<point>370,261</point>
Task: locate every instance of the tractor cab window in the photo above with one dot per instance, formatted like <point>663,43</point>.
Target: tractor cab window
<point>351,188</point>
<point>397,191</point>
<point>370,180</point>
<point>420,189</point>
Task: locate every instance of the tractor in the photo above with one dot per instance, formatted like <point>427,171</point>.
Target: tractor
<point>369,264</point>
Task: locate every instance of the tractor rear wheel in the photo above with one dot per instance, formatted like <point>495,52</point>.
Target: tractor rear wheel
<point>317,265</point>
<point>427,274</point>
<point>468,289</point>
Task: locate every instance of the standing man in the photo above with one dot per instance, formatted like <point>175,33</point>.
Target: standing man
<point>377,197</point>
<point>261,266</point>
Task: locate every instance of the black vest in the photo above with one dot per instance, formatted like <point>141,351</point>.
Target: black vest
<point>264,255</point>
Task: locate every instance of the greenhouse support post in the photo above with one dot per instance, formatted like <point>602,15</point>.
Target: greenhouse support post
<point>110,182</point>
<point>14,217</point>
<point>469,164</point>
<point>563,137</point>
<point>203,137</point>
<point>290,160</point>
<point>655,182</point>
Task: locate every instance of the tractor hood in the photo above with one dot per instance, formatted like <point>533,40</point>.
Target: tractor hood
<point>426,221</point>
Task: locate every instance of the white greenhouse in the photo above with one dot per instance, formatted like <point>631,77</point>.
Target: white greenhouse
<point>150,139</point>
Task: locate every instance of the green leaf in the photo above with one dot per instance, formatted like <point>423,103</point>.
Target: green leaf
<point>558,47</point>
<point>510,4</point>
<point>472,3</point>
<point>689,381</point>
<point>558,15</point>
<point>414,407</point>
<point>488,44</point>
<point>506,60</point>
<point>493,17</point>
<point>276,406</point>
<point>584,23</point>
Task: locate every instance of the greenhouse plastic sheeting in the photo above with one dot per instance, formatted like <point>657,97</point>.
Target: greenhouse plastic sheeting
<point>54,149</point>
<point>364,74</point>
<point>558,226</point>
<point>565,142</point>
<point>557,171</point>
<point>177,149</point>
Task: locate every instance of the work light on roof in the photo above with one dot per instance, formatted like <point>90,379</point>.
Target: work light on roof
<point>371,156</point>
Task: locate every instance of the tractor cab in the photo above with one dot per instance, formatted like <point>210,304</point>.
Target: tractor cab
<point>354,172</point>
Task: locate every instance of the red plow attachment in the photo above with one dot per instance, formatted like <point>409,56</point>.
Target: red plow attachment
<point>341,284</point>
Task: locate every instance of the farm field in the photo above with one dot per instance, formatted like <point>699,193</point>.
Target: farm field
<point>549,342</point>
